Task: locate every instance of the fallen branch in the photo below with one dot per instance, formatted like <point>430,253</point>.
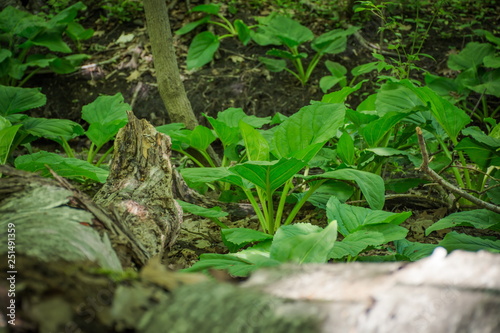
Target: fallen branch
<point>441,181</point>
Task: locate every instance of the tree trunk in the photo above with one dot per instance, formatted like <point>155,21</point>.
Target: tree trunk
<point>167,72</point>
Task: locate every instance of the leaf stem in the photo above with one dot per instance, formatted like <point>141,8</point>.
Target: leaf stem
<point>302,201</point>
<point>281,204</point>
<point>67,149</point>
<point>257,209</point>
<point>103,157</point>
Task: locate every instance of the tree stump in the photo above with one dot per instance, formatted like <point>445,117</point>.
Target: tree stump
<point>139,187</point>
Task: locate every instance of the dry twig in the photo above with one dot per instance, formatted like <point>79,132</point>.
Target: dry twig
<point>441,181</point>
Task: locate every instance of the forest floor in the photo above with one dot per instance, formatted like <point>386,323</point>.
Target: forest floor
<point>122,63</point>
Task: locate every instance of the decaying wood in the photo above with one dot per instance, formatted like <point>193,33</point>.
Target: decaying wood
<point>455,293</point>
<point>129,250</point>
<point>139,186</point>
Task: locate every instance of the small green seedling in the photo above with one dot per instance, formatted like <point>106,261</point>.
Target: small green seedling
<point>284,31</point>
<point>205,44</point>
<point>22,32</point>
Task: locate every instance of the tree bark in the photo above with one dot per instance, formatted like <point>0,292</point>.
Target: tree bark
<point>139,186</point>
<point>170,85</point>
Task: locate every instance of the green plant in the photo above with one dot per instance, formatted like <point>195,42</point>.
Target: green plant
<point>446,133</point>
<point>121,10</point>
<point>362,228</point>
<point>272,159</point>
<point>478,65</point>
<point>205,44</point>
<point>299,243</point>
<point>406,55</point>
<point>21,32</point>
<point>283,31</point>
<point>211,213</point>
<point>478,219</point>
<point>20,129</point>
<point>225,128</point>
<point>106,115</point>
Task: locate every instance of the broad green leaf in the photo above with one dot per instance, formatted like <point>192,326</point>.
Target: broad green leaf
<point>67,15</point>
<point>243,31</point>
<point>269,175</point>
<point>365,68</point>
<point>355,243</point>
<point>192,25</point>
<point>200,137</point>
<point>328,82</point>
<point>14,99</point>
<point>480,136</point>
<point>263,37</point>
<point>456,241</point>
<point>237,264</point>
<point>278,118</point>
<point>471,56</point>
<point>50,38</point>
<point>172,127</point>
<point>478,218</point>
<point>49,232</point>
<point>201,211</point>
<point>491,62</point>
<point>68,64</point>
<point>333,42</point>
<point>338,72</point>
<point>290,32</point>
<point>313,124</point>
<point>239,237</point>
<point>274,65</point>
<point>52,128</point>
<point>359,118</point>
<point>481,154</point>
<point>414,251</point>
<point>4,54</point>
<point>394,97</point>
<point>351,218</point>
<point>340,96</point>
<point>345,149</point>
<point>209,175</point>
<point>7,135</point>
<point>209,9</point>
<point>227,135</point>
<point>304,243</point>
<point>77,32</point>
<point>257,147</point>
<point>488,83</point>
<point>202,49</point>
<point>11,18</point>
<point>402,185</point>
<point>320,197</point>
<point>375,132</point>
<point>232,117</point>
<point>451,118</point>
<point>106,115</point>
<point>226,125</point>
<point>39,60</point>
<point>370,184</point>
<point>72,168</point>
<point>447,88</point>
<point>489,36</point>
<point>335,68</point>
<point>390,232</point>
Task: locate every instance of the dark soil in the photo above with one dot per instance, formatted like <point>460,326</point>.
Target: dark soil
<point>235,79</point>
